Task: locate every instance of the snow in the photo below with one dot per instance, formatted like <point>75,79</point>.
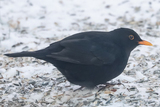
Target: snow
<point>38,23</point>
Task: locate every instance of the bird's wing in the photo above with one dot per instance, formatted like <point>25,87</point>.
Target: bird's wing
<point>82,51</point>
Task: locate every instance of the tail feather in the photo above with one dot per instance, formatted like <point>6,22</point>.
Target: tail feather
<point>22,54</point>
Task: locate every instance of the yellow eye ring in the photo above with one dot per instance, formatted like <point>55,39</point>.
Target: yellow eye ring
<point>131,37</point>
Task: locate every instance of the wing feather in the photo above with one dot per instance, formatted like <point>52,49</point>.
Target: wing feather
<point>85,51</point>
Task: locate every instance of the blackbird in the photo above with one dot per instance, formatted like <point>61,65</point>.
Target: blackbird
<point>90,58</point>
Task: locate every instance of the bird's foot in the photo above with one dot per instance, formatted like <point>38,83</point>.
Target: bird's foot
<point>107,85</point>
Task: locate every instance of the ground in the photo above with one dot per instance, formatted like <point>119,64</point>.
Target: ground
<point>28,25</point>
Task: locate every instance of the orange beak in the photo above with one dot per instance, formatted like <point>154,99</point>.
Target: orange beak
<point>143,42</point>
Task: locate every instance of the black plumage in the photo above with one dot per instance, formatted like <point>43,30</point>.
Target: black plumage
<point>90,58</point>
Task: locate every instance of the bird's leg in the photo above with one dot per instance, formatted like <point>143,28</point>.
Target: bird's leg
<point>107,85</point>
<point>78,89</point>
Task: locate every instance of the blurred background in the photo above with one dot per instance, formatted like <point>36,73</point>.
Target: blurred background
<point>27,25</point>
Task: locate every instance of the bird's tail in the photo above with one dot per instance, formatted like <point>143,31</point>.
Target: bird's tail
<point>24,54</point>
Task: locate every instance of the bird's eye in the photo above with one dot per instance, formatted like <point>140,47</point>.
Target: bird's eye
<point>131,37</point>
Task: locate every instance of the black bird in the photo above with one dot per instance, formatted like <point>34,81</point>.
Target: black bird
<point>90,58</point>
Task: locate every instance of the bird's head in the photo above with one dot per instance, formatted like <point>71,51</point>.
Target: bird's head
<point>129,39</point>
